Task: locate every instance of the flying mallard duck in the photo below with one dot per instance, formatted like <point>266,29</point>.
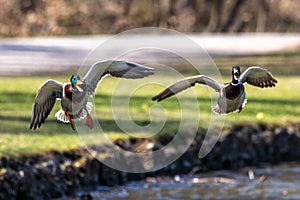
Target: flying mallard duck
<point>74,95</point>
<point>232,95</point>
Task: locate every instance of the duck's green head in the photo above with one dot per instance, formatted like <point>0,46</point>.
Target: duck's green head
<point>236,72</point>
<point>74,80</point>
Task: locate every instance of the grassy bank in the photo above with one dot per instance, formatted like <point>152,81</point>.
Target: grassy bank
<point>279,105</point>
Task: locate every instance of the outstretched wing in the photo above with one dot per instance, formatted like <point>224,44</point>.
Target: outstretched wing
<point>187,83</point>
<point>116,68</point>
<point>44,102</point>
<point>258,76</point>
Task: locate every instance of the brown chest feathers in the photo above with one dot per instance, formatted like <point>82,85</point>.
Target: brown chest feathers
<point>232,92</point>
<point>74,95</point>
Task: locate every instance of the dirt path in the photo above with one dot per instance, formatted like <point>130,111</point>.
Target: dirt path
<point>27,56</point>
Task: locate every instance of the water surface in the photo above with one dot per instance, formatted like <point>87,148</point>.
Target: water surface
<point>271,182</point>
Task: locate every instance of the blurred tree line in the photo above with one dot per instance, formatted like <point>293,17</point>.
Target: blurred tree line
<point>60,17</point>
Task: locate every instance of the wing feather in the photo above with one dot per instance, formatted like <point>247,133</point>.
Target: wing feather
<point>258,76</point>
<point>116,68</point>
<point>44,102</point>
<point>187,83</point>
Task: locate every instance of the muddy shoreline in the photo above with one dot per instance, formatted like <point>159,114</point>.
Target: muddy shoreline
<point>60,174</point>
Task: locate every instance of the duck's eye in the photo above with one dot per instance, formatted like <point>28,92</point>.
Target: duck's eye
<point>73,80</point>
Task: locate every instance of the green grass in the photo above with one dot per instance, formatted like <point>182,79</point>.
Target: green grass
<point>279,105</point>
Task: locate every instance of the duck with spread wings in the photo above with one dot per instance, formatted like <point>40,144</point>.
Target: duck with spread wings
<point>232,96</point>
<point>74,94</point>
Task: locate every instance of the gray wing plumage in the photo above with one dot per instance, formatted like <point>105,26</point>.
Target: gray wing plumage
<point>116,68</point>
<point>44,102</point>
<point>187,83</point>
<point>258,76</point>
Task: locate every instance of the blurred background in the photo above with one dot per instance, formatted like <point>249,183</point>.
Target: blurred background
<point>73,17</point>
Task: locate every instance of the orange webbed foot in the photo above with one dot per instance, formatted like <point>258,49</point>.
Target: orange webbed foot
<point>240,109</point>
<point>70,120</point>
<point>89,120</point>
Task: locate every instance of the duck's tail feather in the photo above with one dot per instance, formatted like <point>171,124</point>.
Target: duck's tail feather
<point>216,109</point>
<point>61,116</point>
